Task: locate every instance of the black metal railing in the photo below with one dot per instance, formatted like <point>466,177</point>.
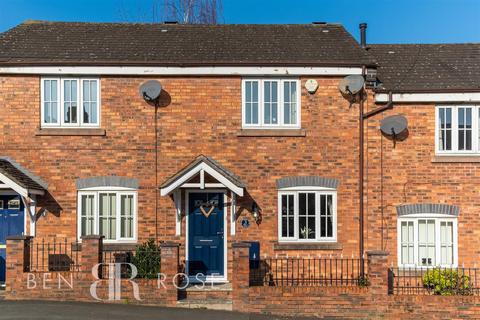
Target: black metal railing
<point>434,281</point>
<point>54,256</point>
<point>298,272</point>
<point>146,262</point>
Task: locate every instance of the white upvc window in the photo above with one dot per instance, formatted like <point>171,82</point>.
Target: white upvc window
<point>457,130</point>
<point>110,213</point>
<point>307,216</point>
<point>427,240</point>
<point>68,102</point>
<point>270,103</point>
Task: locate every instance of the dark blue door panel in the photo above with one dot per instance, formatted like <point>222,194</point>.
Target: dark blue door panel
<point>11,223</point>
<point>2,265</point>
<point>205,234</point>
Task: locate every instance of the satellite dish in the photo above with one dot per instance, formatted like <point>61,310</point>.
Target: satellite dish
<point>394,125</point>
<point>351,85</point>
<point>150,90</point>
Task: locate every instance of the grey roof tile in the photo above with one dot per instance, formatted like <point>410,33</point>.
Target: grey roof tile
<point>20,175</point>
<point>212,163</point>
<point>72,43</point>
<point>428,67</point>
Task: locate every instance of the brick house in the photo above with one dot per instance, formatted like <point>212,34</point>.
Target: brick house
<point>250,141</point>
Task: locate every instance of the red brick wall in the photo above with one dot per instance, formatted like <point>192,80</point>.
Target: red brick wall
<point>411,174</point>
<point>203,116</point>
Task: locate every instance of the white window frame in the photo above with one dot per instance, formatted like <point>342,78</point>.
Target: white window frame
<point>60,103</point>
<point>475,131</point>
<point>438,219</point>
<point>318,192</point>
<point>280,115</point>
<point>118,192</point>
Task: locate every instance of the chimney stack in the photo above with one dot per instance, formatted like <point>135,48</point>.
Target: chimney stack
<point>363,35</point>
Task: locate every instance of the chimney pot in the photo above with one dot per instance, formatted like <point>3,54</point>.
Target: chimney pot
<point>363,35</point>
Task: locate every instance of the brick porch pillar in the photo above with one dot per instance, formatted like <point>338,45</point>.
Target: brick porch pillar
<point>169,267</point>
<point>92,250</point>
<point>18,262</point>
<point>240,276</point>
<point>378,272</point>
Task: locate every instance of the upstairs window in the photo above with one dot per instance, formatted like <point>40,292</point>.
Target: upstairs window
<point>457,130</point>
<point>70,102</point>
<point>307,216</point>
<point>271,103</point>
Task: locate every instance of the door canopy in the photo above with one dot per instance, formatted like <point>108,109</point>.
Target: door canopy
<point>15,177</point>
<point>204,172</point>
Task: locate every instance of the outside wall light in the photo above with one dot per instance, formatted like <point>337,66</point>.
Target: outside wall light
<point>255,212</point>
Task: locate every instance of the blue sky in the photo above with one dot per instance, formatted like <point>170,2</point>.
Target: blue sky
<point>389,21</point>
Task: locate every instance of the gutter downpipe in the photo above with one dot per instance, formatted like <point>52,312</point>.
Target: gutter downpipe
<point>361,179</point>
<point>362,117</point>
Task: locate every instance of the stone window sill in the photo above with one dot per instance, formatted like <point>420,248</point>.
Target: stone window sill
<point>272,133</point>
<point>308,246</point>
<point>70,132</point>
<point>456,159</point>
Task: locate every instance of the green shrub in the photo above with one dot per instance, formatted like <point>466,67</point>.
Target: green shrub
<point>363,281</point>
<point>446,282</point>
<point>147,260</point>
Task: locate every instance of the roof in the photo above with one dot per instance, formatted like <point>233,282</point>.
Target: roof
<point>194,167</point>
<point>428,67</point>
<point>20,175</point>
<point>75,43</point>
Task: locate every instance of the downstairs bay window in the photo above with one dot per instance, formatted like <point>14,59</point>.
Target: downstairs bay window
<point>427,241</point>
<point>108,213</point>
<point>307,216</point>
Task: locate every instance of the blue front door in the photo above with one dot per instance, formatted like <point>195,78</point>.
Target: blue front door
<point>205,234</point>
<point>11,223</point>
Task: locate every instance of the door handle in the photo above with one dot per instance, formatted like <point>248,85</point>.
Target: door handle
<point>220,233</point>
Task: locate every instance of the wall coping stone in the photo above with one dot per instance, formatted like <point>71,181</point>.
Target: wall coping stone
<point>169,245</point>
<point>241,245</point>
<point>378,253</point>
<point>19,237</point>
<point>92,236</point>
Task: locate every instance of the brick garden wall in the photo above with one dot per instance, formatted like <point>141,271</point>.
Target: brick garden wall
<point>372,302</point>
<point>77,285</point>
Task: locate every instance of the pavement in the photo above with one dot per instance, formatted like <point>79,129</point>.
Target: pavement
<point>52,310</point>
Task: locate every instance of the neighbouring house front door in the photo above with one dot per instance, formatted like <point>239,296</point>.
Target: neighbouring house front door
<point>11,223</point>
<point>206,234</point>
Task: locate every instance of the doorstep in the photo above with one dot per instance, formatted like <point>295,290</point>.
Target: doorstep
<point>216,296</point>
<point>2,291</point>
<point>208,287</point>
<point>210,304</point>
